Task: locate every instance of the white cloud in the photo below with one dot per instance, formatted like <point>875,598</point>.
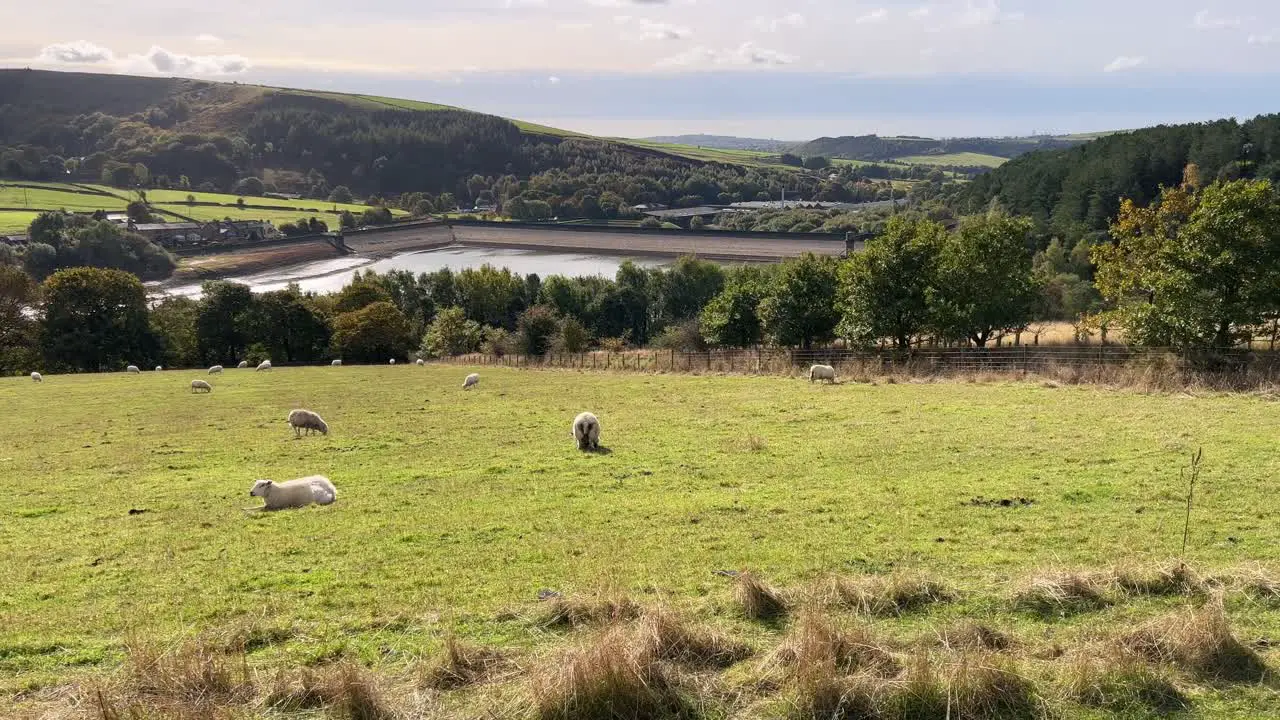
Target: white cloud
<point>875,16</point>
<point>1205,20</point>
<point>646,29</point>
<point>161,61</point>
<point>774,24</point>
<point>986,13</point>
<point>76,52</point>
<point>1125,62</point>
<point>747,54</point>
<point>553,80</point>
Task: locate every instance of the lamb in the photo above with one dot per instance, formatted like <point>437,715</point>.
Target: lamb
<point>822,372</point>
<point>472,380</point>
<point>200,386</point>
<point>243,364</point>
<point>301,420</point>
<point>215,370</point>
<point>37,377</point>
<point>586,430</point>
<point>336,363</point>
<point>132,370</point>
<point>295,493</point>
<point>265,365</point>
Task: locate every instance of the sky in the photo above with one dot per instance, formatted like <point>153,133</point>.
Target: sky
<point>762,68</point>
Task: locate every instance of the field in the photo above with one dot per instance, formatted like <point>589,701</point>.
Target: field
<point>126,522</point>
<point>36,197</point>
<point>966,159</point>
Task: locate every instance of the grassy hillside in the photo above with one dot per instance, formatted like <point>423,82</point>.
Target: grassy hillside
<point>965,159</point>
<point>126,530</point>
<point>928,151</point>
<point>20,202</point>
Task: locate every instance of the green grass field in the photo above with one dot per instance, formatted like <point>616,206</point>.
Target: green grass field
<point>126,508</point>
<point>966,159</point>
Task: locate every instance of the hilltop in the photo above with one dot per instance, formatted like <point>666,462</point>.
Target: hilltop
<point>954,152</point>
<point>726,142</point>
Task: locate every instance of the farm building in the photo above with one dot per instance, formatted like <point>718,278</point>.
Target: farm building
<point>170,235</point>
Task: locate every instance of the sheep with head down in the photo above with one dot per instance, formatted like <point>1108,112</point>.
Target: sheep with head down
<point>159,368</point>
<point>198,386</point>
<point>421,362</point>
<point>586,431</point>
<point>243,365</point>
<point>133,370</point>
<point>295,493</point>
<point>215,370</point>
<point>336,363</point>
<point>263,366</point>
<point>822,372</point>
<point>472,380</point>
<point>37,377</point>
<point>307,420</point>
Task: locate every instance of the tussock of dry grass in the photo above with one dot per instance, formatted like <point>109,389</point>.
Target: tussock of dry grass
<point>975,686</point>
<point>971,636</point>
<point>817,647</point>
<point>345,690</point>
<point>830,696</point>
<point>1170,580</point>
<point>578,612</point>
<point>890,595</point>
<point>613,676</point>
<point>665,636</point>
<point>1059,595</point>
<point>1120,683</point>
<point>461,664</point>
<point>1199,641</point>
<point>190,680</point>
<point>1256,584</point>
<point>757,599</point>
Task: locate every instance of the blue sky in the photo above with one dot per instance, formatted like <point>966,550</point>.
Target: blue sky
<point>790,70</point>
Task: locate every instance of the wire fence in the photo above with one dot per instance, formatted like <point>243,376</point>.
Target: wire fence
<point>1260,365</point>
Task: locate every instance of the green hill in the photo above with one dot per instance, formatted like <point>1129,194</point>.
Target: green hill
<point>954,152</point>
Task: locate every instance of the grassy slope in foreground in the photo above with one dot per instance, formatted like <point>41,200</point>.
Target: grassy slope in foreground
<point>454,505</point>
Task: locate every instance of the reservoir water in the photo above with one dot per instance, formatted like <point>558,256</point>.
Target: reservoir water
<point>331,275</point>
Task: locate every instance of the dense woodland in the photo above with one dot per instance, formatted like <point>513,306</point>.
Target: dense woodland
<point>874,147</point>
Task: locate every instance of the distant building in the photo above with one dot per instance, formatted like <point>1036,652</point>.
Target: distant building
<point>647,207</point>
<point>684,216</point>
<point>238,231</point>
<point>170,235</point>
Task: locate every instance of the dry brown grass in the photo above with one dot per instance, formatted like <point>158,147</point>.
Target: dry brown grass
<point>826,697</point>
<point>666,636</point>
<point>1173,579</point>
<point>610,677</point>
<point>194,679</point>
<point>1120,683</point>
<point>757,599</point>
<point>1255,583</point>
<point>345,690</point>
<point>967,686</point>
<point>1199,641</point>
<point>1059,595</point>
<point>461,664</point>
<point>578,611</point>
<point>889,595</point>
<point>818,647</point>
<point>970,636</point>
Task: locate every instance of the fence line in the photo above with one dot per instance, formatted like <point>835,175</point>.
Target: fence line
<point>771,361</point>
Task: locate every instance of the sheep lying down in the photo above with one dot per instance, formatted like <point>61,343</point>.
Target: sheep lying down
<point>295,493</point>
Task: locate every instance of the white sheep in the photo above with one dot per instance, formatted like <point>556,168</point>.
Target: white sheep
<point>37,377</point>
<point>215,370</point>
<point>159,368</point>
<point>200,386</point>
<point>336,363</point>
<point>822,372</point>
<point>393,361</point>
<point>243,364</point>
<point>264,365</point>
<point>295,493</point>
<point>586,430</point>
<point>132,370</point>
<point>472,380</point>
<point>421,362</point>
<point>301,420</point>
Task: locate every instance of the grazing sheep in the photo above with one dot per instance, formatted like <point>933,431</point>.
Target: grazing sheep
<point>393,361</point>
<point>301,420</point>
<point>265,365</point>
<point>132,370</point>
<point>159,368</point>
<point>421,362</point>
<point>215,370</point>
<point>336,363</point>
<point>472,380</point>
<point>243,364</point>
<point>200,386</point>
<point>295,493</point>
<point>586,430</point>
<point>37,377</point>
<point>822,372</point>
